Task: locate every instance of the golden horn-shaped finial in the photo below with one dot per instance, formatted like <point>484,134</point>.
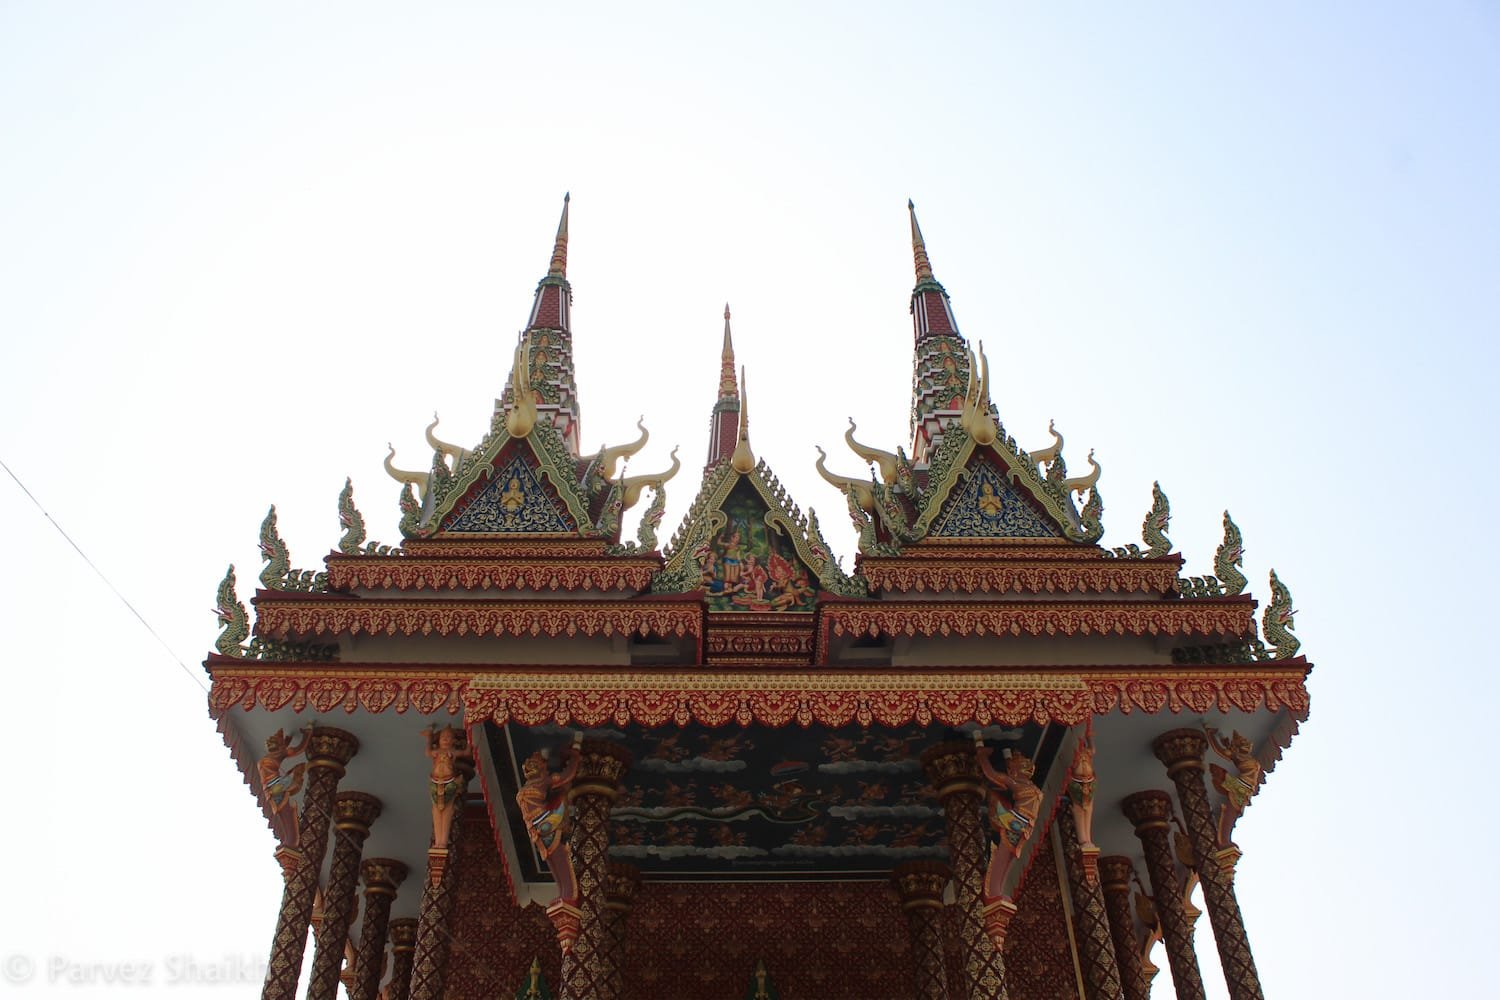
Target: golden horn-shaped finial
<point>631,486</point>
<point>521,417</point>
<point>980,423</point>
<point>559,268</point>
<point>863,494</point>
<point>417,479</point>
<point>453,451</point>
<point>1078,484</point>
<point>1049,453</point>
<point>608,456</point>
<point>743,459</point>
<point>883,459</point>
<point>918,245</point>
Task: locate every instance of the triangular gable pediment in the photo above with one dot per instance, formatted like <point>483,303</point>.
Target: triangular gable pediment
<point>515,500</point>
<point>984,505</point>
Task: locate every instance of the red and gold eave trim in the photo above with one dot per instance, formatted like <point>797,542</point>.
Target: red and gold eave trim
<point>418,573</point>
<point>654,698</point>
<point>282,617</point>
<point>966,576</point>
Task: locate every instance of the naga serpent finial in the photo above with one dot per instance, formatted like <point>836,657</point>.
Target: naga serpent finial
<point>351,521</point>
<point>1279,620</point>
<point>977,419</point>
<point>1154,528</point>
<point>1229,557</point>
<point>631,486</point>
<point>453,451</point>
<point>274,551</point>
<point>231,614</point>
<point>417,479</point>
<point>743,459</point>
<point>1080,484</point>
<point>861,491</point>
<point>887,463</point>
<point>1049,453</point>
<point>609,456</point>
<point>521,417</point>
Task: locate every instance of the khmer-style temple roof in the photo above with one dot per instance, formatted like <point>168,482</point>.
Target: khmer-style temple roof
<point>775,706</point>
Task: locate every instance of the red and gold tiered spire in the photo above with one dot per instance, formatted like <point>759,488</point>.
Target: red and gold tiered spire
<point>941,372</point>
<point>723,427</point>
<point>550,330</point>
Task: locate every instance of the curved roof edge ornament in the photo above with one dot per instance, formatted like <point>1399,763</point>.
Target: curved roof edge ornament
<point>743,459</point>
<point>609,456</point>
<point>453,451</point>
<point>888,463</point>
<point>862,492</point>
<point>417,479</point>
<point>977,420</point>
<point>631,486</point>
<point>1081,484</point>
<point>1049,453</point>
<point>521,417</point>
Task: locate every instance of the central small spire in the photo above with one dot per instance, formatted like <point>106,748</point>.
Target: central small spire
<point>559,268</point>
<point>918,246</point>
<point>727,387</point>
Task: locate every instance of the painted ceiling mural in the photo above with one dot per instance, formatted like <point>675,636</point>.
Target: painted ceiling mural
<point>748,565</point>
<point>757,802</point>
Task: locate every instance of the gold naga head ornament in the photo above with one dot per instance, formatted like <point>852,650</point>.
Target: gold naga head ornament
<point>976,418</point>
<point>631,486</point>
<point>417,479</point>
<point>863,493</point>
<point>453,451</point>
<point>610,456</point>
<point>887,463</point>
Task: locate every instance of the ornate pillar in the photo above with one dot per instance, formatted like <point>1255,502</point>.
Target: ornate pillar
<point>588,971</point>
<point>920,885</point>
<point>429,966</point>
<point>1114,876</point>
<point>953,771</point>
<point>1182,751</point>
<point>403,934</point>
<point>620,883</point>
<point>328,752</point>
<point>1151,814</point>
<point>353,812</point>
<point>1096,948</point>
<point>382,876</point>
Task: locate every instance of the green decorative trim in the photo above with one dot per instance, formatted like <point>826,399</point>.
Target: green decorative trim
<point>411,513</point>
<point>1279,619</point>
<point>351,521</point>
<point>232,615</point>
<point>1229,581</point>
<point>1153,530</point>
<point>272,651</point>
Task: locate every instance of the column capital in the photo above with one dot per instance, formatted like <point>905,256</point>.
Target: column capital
<point>382,875</point>
<point>1148,810</point>
<point>621,880</point>
<point>331,748</point>
<point>920,884</point>
<point>1180,748</point>
<point>403,934</point>
<point>600,767</point>
<point>1115,872</point>
<point>951,767</point>
<point>355,811</point>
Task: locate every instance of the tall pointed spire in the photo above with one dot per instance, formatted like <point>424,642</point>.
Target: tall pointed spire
<point>743,459</point>
<point>559,268</point>
<point>941,371</point>
<point>723,425</point>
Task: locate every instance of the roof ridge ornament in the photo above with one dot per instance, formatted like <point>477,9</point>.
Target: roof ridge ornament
<point>918,246</point>
<point>608,455</point>
<point>743,459</point>
<point>728,388</point>
<point>521,417</point>
<point>888,463</point>
<point>417,479</point>
<point>976,418</point>
<point>452,451</point>
<point>559,266</point>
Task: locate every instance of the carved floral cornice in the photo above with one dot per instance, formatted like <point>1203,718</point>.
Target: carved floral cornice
<point>418,573</point>
<point>280,618</point>
<point>969,576</point>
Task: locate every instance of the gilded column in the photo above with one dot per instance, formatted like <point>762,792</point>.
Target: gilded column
<point>452,767</point>
<point>1151,814</point>
<point>1114,876</point>
<point>328,753</point>
<point>403,935</point>
<point>353,812</point>
<point>954,773</point>
<point>1182,751</point>
<point>382,876</point>
<point>1096,948</point>
<point>588,972</point>
<point>920,885</point>
<point>620,883</point>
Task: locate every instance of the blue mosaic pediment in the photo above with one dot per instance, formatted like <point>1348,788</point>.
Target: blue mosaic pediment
<point>985,505</point>
<point>515,502</point>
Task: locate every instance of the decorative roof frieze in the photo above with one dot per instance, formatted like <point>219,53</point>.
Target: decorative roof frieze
<point>280,619</point>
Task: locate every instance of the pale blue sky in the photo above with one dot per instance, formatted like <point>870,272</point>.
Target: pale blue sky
<point>1249,253</point>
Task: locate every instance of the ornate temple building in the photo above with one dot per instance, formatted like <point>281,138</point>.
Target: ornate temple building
<point>517,756</point>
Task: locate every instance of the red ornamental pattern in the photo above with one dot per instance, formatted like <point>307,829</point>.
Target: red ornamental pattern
<point>322,693</point>
<point>1038,956</point>
<point>282,618</point>
<point>1104,576</point>
<point>1228,617</point>
<point>452,574</point>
